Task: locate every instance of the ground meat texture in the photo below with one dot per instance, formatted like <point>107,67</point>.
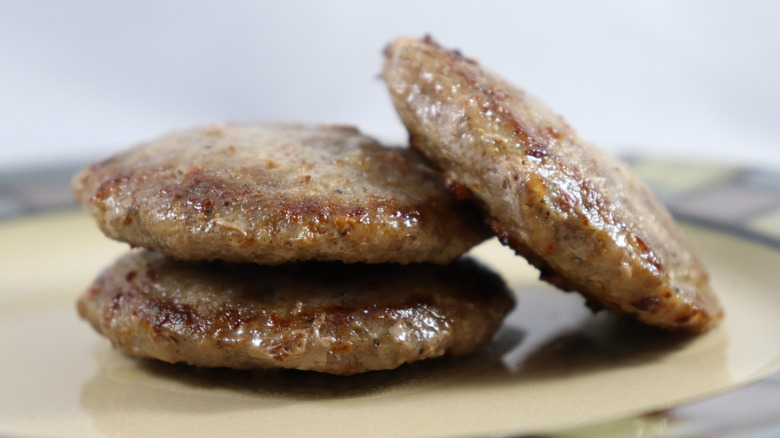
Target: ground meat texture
<point>278,193</point>
<point>581,217</point>
<point>322,316</point>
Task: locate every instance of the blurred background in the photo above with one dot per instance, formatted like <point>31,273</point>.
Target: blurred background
<point>695,80</point>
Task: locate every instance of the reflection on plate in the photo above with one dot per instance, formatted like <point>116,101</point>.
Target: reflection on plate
<point>554,365</point>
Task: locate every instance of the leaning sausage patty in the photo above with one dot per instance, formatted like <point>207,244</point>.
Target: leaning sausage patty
<point>581,217</point>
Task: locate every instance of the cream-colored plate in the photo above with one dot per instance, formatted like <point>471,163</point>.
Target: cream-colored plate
<point>553,365</point>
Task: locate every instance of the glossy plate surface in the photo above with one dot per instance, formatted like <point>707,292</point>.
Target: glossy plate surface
<point>553,365</point>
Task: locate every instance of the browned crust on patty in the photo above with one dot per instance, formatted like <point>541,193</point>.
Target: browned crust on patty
<point>328,317</point>
<point>583,218</point>
<point>276,193</point>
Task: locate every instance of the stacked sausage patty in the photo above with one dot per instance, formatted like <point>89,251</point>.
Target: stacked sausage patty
<point>280,245</point>
<point>316,248</point>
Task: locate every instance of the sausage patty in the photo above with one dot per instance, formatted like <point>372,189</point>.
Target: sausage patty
<point>582,218</point>
<point>276,193</point>
<point>322,316</point>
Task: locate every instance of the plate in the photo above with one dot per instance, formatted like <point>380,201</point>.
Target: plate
<point>553,365</point>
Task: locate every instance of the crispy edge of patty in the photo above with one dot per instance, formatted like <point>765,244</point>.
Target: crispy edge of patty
<point>582,218</point>
<point>215,193</point>
<point>322,316</point>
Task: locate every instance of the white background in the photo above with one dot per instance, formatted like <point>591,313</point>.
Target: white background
<point>80,79</point>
